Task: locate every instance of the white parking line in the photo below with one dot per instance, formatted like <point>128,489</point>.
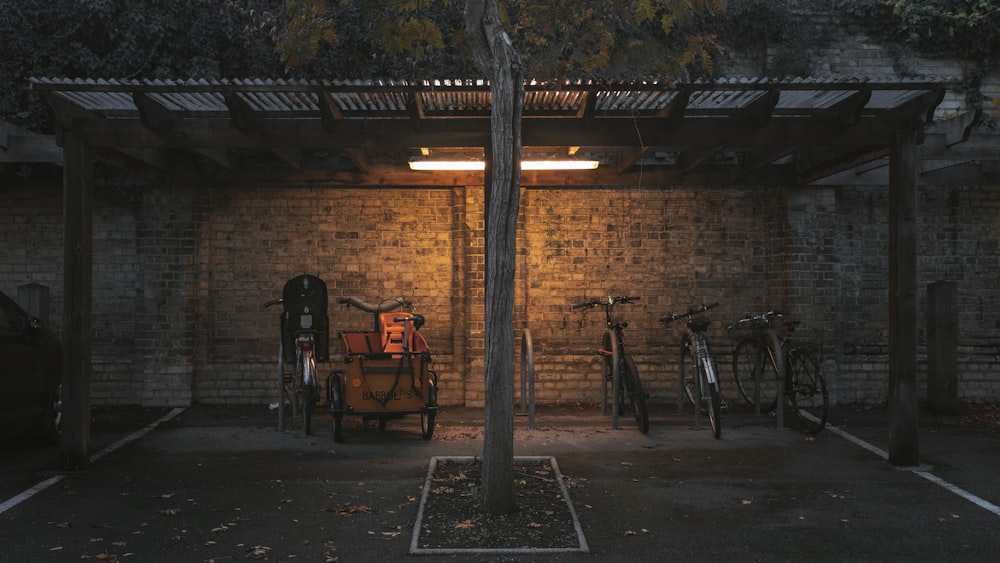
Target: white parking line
<point>955,489</point>
<point>984,504</point>
<point>28,493</point>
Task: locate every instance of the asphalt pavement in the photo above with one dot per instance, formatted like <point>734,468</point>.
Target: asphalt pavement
<point>222,483</point>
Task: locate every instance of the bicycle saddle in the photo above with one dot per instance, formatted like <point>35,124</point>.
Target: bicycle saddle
<point>699,324</point>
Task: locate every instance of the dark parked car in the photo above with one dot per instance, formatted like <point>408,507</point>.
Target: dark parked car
<point>30,375</point>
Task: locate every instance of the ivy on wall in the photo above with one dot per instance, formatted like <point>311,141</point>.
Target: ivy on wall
<point>967,30</point>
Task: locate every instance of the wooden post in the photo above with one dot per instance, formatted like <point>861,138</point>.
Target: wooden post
<point>942,348</point>
<point>903,449</point>
<point>78,188</point>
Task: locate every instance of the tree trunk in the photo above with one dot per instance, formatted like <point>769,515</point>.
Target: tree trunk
<point>497,58</point>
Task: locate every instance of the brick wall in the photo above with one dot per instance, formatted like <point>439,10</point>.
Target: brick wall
<point>180,276</point>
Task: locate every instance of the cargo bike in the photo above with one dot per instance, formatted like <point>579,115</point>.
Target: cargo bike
<point>387,371</point>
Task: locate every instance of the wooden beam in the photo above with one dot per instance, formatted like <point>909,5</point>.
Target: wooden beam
<point>848,111</point>
<point>154,114</point>
<point>673,112</point>
<point>148,163</point>
<point>628,156</point>
<point>359,158</point>
<point>263,133</point>
<point>758,113</point>
<point>695,156</point>
<point>218,156</point>
<point>653,177</point>
<point>290,156</point>
<point>329,111</point>
<point>78,188</point>
<point>815,163</point>
<point>242,115</point>
<point>903,392</point>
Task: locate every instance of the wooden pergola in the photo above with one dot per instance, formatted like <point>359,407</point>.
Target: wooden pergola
<point>364,133</point>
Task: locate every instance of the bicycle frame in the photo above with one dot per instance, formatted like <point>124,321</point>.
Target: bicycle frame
<point>304,334</point>
<point>618,368</point>
<point>623,374</point>
<point>304,353</point>
<point>798,379</point>
<point>707,393</point>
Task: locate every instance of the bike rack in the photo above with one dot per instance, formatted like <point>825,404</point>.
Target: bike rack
<point>616,354</point>
<point>528,378</point>
<point>281,387</point>
<point>775,344</point>
<point>681,392</point>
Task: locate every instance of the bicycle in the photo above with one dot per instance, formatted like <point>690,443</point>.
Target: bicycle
<point>756,380</point>
<point>699,378</point>
<point>804,385</point>
<point>628,391</point>
<point>387,370</point>
<point>305,330</point>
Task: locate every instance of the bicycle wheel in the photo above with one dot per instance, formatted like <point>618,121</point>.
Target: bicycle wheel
<point>307,392</point>
<point>336,400</point>
<point>428,415</point>
<point>636,397</point>
<point>689,373</point>
<point>714,396</point>
<point>808,393</point>
<point>754,373</point>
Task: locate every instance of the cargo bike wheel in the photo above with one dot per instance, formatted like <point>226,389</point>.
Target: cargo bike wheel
<point>429,412</point>
<point>335,400</point>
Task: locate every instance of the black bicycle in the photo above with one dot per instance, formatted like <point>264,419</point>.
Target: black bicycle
<point>305,330</point>
<point>699,377</point>
<point>755,368</point>
<point>629,390</point>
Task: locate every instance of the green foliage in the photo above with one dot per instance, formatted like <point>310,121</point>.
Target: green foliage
<point>557,39</point>
<point>611,39</point>
<point>968,30</point>
<point>376,39</point>
<point>771,31</point>
<point>964,29</point>
<point>128,39</point>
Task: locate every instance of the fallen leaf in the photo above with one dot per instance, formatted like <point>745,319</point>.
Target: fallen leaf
<point>349,509</point>
<point>260,550</point>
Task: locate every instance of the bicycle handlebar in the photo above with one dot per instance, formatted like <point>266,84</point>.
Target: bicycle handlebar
<point>383,307</point>
<point>764,316</point>
<point>277,301</point>
<point>690,312</point>
<point>609,300</point>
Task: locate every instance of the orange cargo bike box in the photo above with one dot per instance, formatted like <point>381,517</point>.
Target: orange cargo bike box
<point>387,371</point>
